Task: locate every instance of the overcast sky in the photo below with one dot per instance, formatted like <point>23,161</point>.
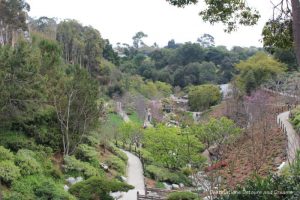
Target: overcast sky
<point>119,20</point>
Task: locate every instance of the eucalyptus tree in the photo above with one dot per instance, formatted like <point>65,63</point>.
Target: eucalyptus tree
<point>13,15</point>
<point>82,45</point>
<point>137,39</point>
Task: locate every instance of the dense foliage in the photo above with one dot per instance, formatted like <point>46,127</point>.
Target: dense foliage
<point>172,148</point>
<point>97,188</point>
<point>273,187</point>
<point>182,196</point>
<point>185,64</point>
<point>203,97</point>
<point>296,118</point>
<point>257,70</point>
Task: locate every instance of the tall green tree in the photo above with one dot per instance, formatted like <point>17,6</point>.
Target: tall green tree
<point>173,148</point>
<point>203,96</point>
<point>13,15</point>
<point>235,12</point>
<point>138,39</point>
<point>82,45</point>
<point>257,70</point>
<point>21,86</point>
<point>217,132</point>
<point>76,103</point>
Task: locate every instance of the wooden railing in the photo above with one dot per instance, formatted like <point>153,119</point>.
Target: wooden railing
<point>154,194</point>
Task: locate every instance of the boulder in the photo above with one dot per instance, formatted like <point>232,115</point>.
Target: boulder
<point>181,185</point>
<point>104,166</point>
<point>66,188</point>
<point>167,186</point>
<point>175,187</point>
<point>281,166</point>
<point>116,195</point>
<point>71,180</point>
<point>124,179</point>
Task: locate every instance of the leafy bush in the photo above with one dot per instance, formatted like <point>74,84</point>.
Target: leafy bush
<point>182,196</point>
<point>50,190</point>
<point>97,188</point>
<point>5,154</point>
<point>78,167</point>
<point>117,152</point>
<point>117,163</point>
<point>164,175</point>
<point>296,118</point>
<point>203,96</point>
<point>38,187</point>
<point>15,141</point>
<point>91,140</point>
<point>146,155</point>
<point>27,163</point>
<point>9,171</point>
<point>88,154</point>
<point>257,70</point>
<point>44,128</point>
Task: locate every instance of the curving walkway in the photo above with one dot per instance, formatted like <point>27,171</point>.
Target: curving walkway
<point>292,136</point>
<point>135,177</point>
<point>122,113</point>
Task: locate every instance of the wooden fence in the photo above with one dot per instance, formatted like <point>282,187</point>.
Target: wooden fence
<point>155,194</point>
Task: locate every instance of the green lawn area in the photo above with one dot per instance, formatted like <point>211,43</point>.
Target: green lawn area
<point>135,118</point>
<point>114,119</point>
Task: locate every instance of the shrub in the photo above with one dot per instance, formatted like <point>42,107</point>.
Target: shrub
<point>27,163</point>
<point>15,141</point>
<point>73,165</point>
<point>203,96</point>
<point>9,171</point>
<point>97,188</point>
<point>146,155</point>
<point>88,154</point>
<point>5,154</point>
<point>164,175</point>
<point>118,152</point>
<point>38,187</point>
<point>56,173</point>
<point>117,163</point>
<point>182,196</point>
<point>91,140</point>
<point>50,190</point>
<point>296,118</point>
<point>13,196</point>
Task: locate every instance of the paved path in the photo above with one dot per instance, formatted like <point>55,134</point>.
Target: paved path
<point>135,177</point>
<point>293,137</point>
<point>121,112</point>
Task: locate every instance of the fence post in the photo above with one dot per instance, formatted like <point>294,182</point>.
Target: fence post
<point>137,195</point>
<point>285,130</point>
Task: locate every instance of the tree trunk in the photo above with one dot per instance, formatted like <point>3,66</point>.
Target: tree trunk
<point>296,27</point>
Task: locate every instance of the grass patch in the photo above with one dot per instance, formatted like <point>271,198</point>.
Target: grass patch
<point>114,120</point>
<point>135,118</point>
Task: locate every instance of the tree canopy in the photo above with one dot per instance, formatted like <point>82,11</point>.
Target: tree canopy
<point>257,70</point>
<point>282,30</point>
